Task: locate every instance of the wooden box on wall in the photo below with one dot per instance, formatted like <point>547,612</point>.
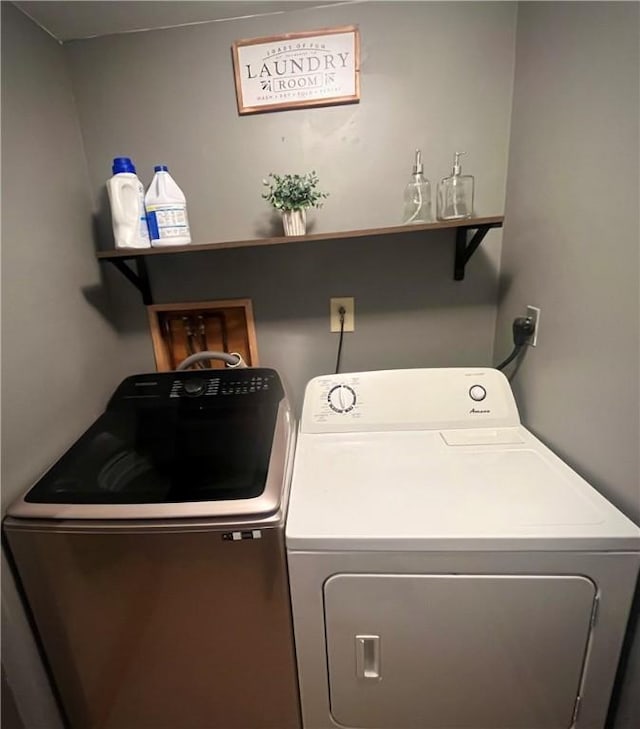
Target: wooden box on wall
<point>179,330</point>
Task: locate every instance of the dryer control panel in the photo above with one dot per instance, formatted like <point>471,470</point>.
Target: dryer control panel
<point>419,399</point>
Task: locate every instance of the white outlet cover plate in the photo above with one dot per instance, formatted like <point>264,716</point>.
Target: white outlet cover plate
<point>534,313</point>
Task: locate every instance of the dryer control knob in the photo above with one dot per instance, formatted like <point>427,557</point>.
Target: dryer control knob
<point>193,388</point>
<point>342,399</point>
<point>477,393</point>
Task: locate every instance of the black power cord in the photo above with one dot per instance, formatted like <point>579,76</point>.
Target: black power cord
<point>342,311</point>
<point>523,329</point>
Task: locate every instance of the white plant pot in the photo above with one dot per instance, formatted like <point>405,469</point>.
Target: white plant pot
<point>294,222</point>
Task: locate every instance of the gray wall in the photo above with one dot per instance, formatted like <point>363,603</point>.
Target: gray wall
<point>434,75</point>
<point>571,245</point>
<point>60,357</point>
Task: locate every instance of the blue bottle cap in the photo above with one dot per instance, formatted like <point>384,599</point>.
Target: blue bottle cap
<point>161,168</point>
<point>122,164</point>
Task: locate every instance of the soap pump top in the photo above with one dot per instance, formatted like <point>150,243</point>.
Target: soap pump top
<point>457,168</point>
<point>417,195</point>
<point>455,193</point>
<point>417,167</point>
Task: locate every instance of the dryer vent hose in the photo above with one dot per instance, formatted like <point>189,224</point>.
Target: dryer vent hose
<point>232,360</point>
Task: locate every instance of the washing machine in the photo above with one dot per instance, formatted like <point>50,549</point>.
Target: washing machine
<point>447,570</point>
<point>152,558</point>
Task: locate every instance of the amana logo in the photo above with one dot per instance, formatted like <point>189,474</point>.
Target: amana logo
<point>478,412</point>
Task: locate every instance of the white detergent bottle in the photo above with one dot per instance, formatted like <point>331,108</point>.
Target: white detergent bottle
<point>126,197</point>
<point>166,210</point>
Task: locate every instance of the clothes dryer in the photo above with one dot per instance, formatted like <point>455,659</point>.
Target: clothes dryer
<point>446,568</point>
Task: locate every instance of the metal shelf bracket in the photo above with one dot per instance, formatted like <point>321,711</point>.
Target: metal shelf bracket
<point>465,248</point>
<point>139,278</point>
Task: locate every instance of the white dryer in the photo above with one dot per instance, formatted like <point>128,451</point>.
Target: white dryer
<point>447,570</point>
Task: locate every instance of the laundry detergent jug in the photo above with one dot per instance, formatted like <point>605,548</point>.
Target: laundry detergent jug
<point>126,198</point>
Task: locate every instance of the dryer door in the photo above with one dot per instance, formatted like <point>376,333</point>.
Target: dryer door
<point>456,651</point>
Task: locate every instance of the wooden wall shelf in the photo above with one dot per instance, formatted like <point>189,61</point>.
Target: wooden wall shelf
<point>465,246</point>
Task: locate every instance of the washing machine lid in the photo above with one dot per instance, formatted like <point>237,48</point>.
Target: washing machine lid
<point>419,469</point>
<point>204,443</point>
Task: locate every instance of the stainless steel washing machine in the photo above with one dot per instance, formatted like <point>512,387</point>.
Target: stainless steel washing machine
<point>152,557</point>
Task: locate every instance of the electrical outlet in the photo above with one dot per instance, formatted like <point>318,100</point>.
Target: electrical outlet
<point>334,313</point>
<point>534,313</point>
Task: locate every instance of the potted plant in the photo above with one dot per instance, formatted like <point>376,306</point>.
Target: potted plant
<point>292,195</point>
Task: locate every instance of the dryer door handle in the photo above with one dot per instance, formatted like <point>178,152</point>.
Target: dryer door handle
<point>368,657</point>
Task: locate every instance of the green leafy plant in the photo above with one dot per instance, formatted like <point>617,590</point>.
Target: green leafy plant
<point>293,192</point>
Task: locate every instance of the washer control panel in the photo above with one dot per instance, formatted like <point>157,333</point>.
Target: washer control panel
<point>195,387</point>
<point>446,398</point>
<point>210,386</point>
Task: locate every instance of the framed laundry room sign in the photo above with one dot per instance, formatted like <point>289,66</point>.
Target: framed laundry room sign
<point>314,68</point>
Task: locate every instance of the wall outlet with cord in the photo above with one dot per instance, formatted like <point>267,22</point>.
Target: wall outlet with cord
<point>335,315</point>
<point>524,330</point>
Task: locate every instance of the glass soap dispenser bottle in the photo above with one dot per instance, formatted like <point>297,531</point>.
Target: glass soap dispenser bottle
<point>455,194</point>
<point>417,195</point>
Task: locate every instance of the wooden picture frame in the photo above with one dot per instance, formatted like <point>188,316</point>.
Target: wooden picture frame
<point>295,70</point>
<point>178,330</point>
